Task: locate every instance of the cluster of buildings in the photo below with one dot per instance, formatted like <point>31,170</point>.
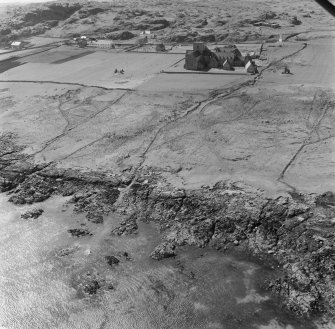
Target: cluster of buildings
<point>148,34</point>
<point>103,44</point>
<point>200,58</point>
<point>145,36</point>
<point>84,41</point>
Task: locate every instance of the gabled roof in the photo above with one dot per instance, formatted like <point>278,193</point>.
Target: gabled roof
<point>228,50</point>
<point>248,65</point>
<point>227,65</point>
<point>251,67</point>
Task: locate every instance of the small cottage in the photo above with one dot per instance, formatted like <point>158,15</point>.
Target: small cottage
<point>251,67</point>
<point>103,44</point>
<point>16,45</point>
<point>148,34</point>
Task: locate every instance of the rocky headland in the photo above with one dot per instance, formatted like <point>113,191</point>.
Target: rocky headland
<point>294,233</point>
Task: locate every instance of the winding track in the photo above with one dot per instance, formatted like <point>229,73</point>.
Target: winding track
<point>65,83</point>
<point>326,106</point>
<point>199,106</point>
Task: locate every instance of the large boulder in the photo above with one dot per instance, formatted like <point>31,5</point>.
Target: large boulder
<point>34,213</point>
<point>164,250</point>
<point>267,15</point>
<point>295,21</point>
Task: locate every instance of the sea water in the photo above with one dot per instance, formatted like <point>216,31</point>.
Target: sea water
<point>198,289</point>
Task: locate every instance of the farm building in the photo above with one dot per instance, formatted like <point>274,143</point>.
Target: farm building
<point>231,53</point>
<point>200,58</point>
<point>226,58</point>
<point>199,46</point>
<point>104,44</point>
<point>148,34</point>
<point>17,45</point>
<point>194,61</point>
<point>251,67</point>
<point>227,66</point>
<point>247,59</point>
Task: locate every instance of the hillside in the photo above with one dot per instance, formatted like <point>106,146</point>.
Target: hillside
<point>177,21</point>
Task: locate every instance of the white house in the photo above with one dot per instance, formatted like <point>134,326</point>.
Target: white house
<point>17,45</point>
<point>148,34</point>
<point>104,44</point>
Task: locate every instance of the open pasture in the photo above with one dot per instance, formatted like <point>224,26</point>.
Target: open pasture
<point>311,66</point>
<point>91,68</point>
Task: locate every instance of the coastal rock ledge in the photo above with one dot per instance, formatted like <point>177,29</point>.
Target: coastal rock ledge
<point>295,232</point>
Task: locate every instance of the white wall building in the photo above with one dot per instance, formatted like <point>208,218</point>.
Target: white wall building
<point>104,44</point>
<point>16,45</point>
<point>148,34</point>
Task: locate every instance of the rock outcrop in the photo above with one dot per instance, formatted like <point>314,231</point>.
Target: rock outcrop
<point>164,250</point>
<point>127,226</point>
<point>34,213</point>
<point>296,232</point>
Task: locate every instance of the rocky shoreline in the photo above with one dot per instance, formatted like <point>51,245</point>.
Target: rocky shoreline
<point>295,231</point>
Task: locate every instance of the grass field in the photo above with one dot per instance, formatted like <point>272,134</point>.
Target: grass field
<point>37,41</point>
<point>316,63</point>
<point>56,55</point>
<point>187,83</point>
<point>96,68</point>
<point>98,127</point>
<point>313,65</point>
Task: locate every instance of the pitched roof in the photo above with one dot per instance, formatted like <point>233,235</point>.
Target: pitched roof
<point>227,51</point>
<point>248,64</point>
<point>226,64</point>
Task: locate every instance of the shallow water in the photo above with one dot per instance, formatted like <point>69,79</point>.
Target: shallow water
<point>198,289</point>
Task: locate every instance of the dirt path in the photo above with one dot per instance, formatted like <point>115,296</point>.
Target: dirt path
<point>313,126</point>
<point>67,129</point>
<point>199,107</point>
<point>64,83</point>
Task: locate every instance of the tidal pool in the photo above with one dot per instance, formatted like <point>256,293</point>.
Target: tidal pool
<point>199,289</point>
